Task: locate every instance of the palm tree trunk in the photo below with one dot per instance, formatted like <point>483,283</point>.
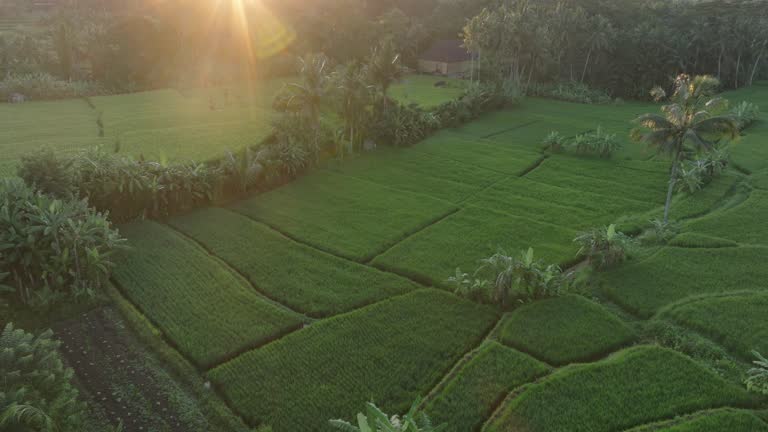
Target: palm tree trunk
<point>738,67</point>
<point>586,63</point>
<point>671,189</point>
<point>754,67</point>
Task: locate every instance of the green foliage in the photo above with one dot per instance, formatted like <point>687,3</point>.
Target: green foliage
<point>565,330</point>
<point>400,125</point>
<point>52,249</point>
<point>745,113</point>
<point>374,420</point>
<point>603,247</point>
<point>37,390</point>
<point>597,142</point>
<point>689,125</point>
<point>659,232</point>
<point>522,278</point>
<point>555,142</point>
<point>723,419</point>
<point>662,383</point>
<point>672,274</point>
<point>477,100</point>
<point>431,329</point>
<point>312,282</point>
<point>43,86</point>
<point>758,375</point>
<point>45,171</point>
<point>353,218</point>
<point>174,283</point>
<point>571,91</point>
<point>468,398</point>
<point>733,320</point>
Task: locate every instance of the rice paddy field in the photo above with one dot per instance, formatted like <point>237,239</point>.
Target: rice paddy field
<point>169,124</point>
<point>301,304</point>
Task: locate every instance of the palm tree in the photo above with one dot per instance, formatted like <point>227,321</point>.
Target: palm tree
<point>688,119</point>
<point>353,96</point>
<point>384,68</point>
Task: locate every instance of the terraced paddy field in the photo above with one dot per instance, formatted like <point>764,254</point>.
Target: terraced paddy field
<point>168,124</point>
<point>301,304</point>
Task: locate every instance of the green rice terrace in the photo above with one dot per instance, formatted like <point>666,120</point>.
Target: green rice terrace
<point>533,244</point>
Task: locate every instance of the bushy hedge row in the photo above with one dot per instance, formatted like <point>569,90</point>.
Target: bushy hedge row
<point>41,86</point>
<point>51,248</point>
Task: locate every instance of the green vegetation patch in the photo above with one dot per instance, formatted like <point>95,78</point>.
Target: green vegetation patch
<point>296,275</point>
<point>63,126</point>
<point>419,172</point>
<point>480,385</point>
<point>203,309</point>
<point>744,223</point>
<point>673,274</point>
<point>564,330</point>
<point>427,91</point>
<point>736,321</point>
<point>553,204</point>
<point>635,386</point>
<point>750,152</point>
<point>695,240</point>
<point>469,235</point>
<point>719,420</point>
<point>388,353</point>
<point>628,180</point>
<point>506,159</point>
<point>353,218</point>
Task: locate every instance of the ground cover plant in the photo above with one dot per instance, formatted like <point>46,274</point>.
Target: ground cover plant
<point>599,397</point>
<point>468,398</point>
<point>645,286</point>
<point>435,330</point>
<point>734,320</point>
<point>174,283</point>
<point>564,330</point>
<point>353,218</point>
<point>320,284</point>
<point>463,238</point>
<point>725,419</point>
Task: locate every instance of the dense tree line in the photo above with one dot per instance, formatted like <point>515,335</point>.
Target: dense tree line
<point>625,47</point>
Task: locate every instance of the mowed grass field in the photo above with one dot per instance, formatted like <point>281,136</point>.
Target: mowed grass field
<point>303,303</point>
<point>168,125</point>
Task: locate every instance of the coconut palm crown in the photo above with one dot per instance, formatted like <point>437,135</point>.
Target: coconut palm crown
<point>689,123</point>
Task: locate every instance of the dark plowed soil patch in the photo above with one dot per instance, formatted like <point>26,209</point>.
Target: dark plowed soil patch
<point>122,378</point>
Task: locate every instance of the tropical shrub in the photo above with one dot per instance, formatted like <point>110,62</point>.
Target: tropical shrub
<point>660,232</point>
<point>37,393</point>
<point>745,113</point>
<point>477,100</point>
<point>50,248</point>
<point>571,91</point>
<point>555,141</point>
<point>757,380</point>
<point>603,247</point>
<point>40,85</point>
<point>690,177</point>
<point>402,125</point>
<point>596,142</point>
<point>693,175</point>
<point>522,277</point>
<point>466,286</point>
<point>125,187</point>
<point>374,420</point>
<point>48,172</point>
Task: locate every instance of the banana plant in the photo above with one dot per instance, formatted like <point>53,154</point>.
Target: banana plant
<point>375,420</point>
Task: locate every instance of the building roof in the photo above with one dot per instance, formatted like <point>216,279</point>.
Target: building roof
<point>448,51</point>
